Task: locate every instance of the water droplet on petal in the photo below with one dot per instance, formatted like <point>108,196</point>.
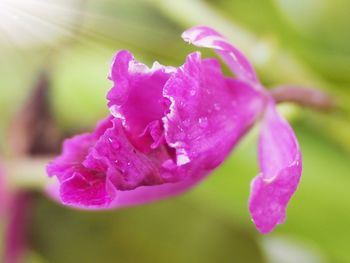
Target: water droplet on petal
<point>217,106</point>
<point>181,105</point>
<point>209,91</point>
<point>186,122</point>
<point>182,159</point>
<point>114,144</point>
<point>203,122</point>
<point>192,92</point>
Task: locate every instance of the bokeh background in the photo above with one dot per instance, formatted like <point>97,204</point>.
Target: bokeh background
<point>304,42</point>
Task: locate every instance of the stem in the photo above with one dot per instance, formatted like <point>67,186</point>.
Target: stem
<point>27,172</point>
<point>308,97</point>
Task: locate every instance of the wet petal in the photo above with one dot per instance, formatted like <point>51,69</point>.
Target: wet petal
<point>78,185</point>
<point>280,165</point>
<point>209,113</point>
<point>136,96</point>
<point>125,166</point>
<point>203,36</point>
<point>138,177</point>
<point>103,169</point>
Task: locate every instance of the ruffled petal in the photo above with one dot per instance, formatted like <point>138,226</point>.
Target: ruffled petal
<point>280,165</point>
<point>126,167</point>
<point>80,186</point>
<point>103,169</point>
<point>136,96</point>
<point>75,150</point>
<point>209,113</point>
<point>138,177</point>
<point>203,36</point>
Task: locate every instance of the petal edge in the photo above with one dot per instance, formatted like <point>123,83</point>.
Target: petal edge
<point>281,166</point>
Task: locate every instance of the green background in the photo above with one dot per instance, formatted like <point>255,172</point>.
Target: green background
<point>289,41</point>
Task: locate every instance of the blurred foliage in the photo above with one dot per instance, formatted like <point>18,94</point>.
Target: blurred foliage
<point>173,231</point>
<point>289,41</point>
<point>318,212</point>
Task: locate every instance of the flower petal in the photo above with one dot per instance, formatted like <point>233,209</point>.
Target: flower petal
<point>209,113</point>
<point>280,164</point>
<point>80,186</point>
<point>103,169</point>
<point>136,96</point>
<point>203,36</point>
<point>126,167</point>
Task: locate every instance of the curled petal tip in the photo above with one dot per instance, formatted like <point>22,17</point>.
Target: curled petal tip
<point>203,36</point>
<point>280,164</point>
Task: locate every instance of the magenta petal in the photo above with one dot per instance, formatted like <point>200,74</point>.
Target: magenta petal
<point>103,169</point>
<point>85,188</point>
<point>203,36</point>
<point>126,167</point>
<point>136,96</point>
<point>280,164</point>
<point>79,186</point>
<point>209,113</point>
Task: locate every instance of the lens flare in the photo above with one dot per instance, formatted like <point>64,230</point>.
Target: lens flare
<point>26,23</point>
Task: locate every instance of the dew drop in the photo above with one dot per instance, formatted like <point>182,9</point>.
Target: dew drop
<point>181,105</point>
<point>182,159</point>
<point>217,106</point>
<point>192,92</point>
<point>203,122</point>
<point>114,144</point>
<point>186,122</point>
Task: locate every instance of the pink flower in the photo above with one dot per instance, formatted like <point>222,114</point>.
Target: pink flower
<point>170,127</point>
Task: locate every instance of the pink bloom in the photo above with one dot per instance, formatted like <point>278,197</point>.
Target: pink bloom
<point>170,127</point>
